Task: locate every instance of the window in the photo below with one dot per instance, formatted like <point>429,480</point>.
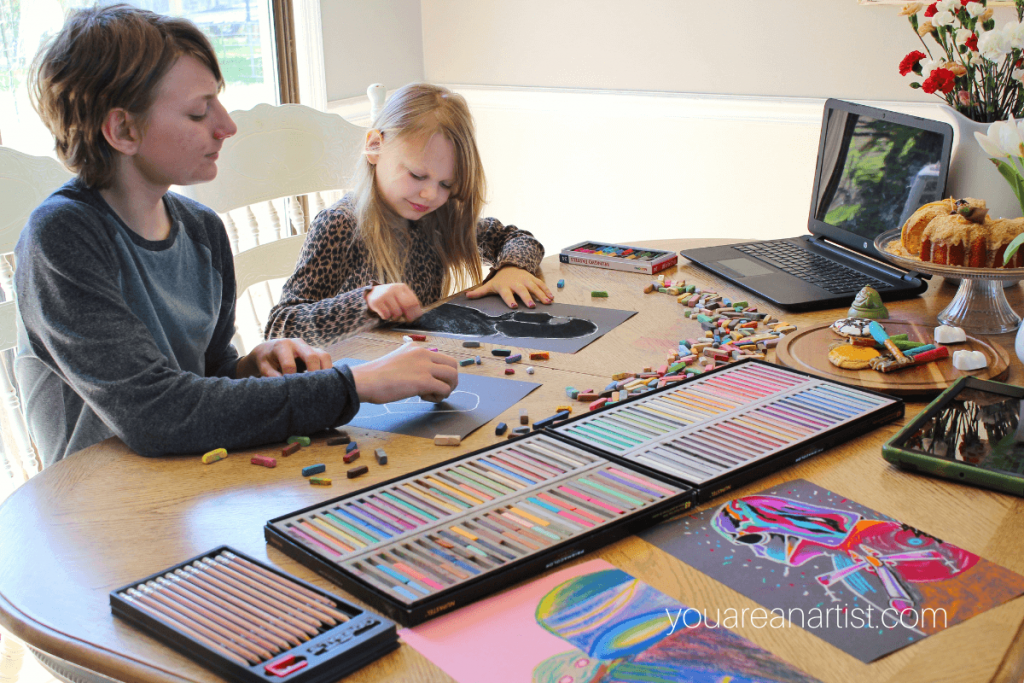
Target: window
<point>241,31</point>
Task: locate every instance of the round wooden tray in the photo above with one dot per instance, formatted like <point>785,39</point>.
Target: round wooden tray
<point>807,350</point>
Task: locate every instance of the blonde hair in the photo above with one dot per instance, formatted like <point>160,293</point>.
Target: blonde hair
<point>422,110</point>
<point>107,58</point>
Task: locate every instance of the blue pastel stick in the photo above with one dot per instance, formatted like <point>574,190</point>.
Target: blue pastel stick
<point>405,593</point>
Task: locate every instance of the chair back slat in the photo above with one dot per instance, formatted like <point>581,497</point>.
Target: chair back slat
<point>25,181</point>
<point>281,151</point>
<point>279,154</point>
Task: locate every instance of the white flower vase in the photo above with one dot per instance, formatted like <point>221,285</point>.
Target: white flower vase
<point>1018,344</point>
<point>979,303</point>
<point>972,173</point>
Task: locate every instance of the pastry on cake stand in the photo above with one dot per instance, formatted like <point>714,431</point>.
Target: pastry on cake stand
<point>979,306</point>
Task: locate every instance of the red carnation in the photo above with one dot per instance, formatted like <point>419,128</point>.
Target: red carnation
<point>972,42</point>
<point>911,61</point>
<point>932,9</point>
<point>940,79</point>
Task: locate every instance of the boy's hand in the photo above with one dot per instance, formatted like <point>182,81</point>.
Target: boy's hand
<point>411,370</point>
<point>396,301</point>
<point>281,357</point>
<point>511,281</point>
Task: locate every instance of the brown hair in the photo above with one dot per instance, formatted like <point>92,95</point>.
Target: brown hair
<point>420,110</point>
<point>107,58</point>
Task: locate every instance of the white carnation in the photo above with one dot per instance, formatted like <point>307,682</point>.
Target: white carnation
<point>942,19</point>
<point>1015,34</point>
<point>929,65</point>
<point>993,45</point>
<point>975,9</point>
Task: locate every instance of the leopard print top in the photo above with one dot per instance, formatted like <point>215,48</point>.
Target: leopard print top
<point>325,298</point>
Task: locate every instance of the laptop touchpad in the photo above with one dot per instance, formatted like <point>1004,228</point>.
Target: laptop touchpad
<point>744,267</point>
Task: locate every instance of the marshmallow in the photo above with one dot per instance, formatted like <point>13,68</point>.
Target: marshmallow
<point>947,334</point>
<point>969,360</point>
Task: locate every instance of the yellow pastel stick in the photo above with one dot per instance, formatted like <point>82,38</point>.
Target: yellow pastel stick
<point>337,532</point>
<point>527,515</point>
<point>455,491</point>
<point>430,498</point>
<point>214,456</point>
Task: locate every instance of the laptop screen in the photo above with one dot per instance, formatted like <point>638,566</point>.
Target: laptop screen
<point>875,171</point>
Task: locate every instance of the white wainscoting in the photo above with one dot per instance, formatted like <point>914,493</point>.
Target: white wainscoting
<point>574,165</point>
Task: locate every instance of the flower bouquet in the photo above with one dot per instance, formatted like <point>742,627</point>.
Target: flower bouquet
<point>973,66</point>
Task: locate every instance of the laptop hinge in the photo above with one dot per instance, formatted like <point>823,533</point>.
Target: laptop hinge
<point>895,271</point>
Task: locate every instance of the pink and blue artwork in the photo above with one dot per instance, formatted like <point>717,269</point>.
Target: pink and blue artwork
<point>592,623</point>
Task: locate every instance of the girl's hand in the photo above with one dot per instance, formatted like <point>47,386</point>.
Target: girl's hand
<point>409,371</point>
<point>510,282</point>
<point>281,357</point>
<point>396,301</point>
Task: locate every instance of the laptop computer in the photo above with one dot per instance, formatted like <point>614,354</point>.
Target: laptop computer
<point>874,169</point>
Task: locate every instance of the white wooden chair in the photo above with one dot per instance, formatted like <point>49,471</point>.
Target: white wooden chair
<point>278,154</point>
<point>25,181</point>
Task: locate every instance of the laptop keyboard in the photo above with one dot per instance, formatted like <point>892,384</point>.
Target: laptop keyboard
<point>810,267</point>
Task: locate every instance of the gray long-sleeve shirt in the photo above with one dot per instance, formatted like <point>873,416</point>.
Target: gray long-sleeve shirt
<point>119,335</point>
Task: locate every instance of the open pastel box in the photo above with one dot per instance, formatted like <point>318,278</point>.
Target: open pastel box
<point>721,429</point>
<point>434,540</point>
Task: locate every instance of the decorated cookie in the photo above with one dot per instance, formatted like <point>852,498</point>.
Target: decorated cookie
<point>851,357</point>
<point>852,327</point>
<point>868,304</point>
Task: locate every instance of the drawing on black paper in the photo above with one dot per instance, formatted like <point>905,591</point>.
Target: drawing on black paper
<point>470,322</point>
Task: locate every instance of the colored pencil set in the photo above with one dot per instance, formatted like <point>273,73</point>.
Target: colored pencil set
<point>443,536</point>
<point>252,623</point>
<point>725,428</point>
<point>618,257</point>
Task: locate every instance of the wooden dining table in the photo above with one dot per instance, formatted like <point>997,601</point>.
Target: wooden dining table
<point>106,516</point>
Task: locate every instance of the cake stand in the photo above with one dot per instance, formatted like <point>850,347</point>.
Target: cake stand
<point>979,306</point>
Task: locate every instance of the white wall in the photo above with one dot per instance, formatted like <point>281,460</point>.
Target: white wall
<point>781,48</point>
<point>616,121</point>
<point>371,41</point>
<point>574,165</point>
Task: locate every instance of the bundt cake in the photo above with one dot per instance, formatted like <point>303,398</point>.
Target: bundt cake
<point>910,237</point>
<point>960,233</point>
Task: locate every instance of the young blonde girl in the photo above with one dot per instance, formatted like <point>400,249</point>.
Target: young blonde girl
<point>412,222</point>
